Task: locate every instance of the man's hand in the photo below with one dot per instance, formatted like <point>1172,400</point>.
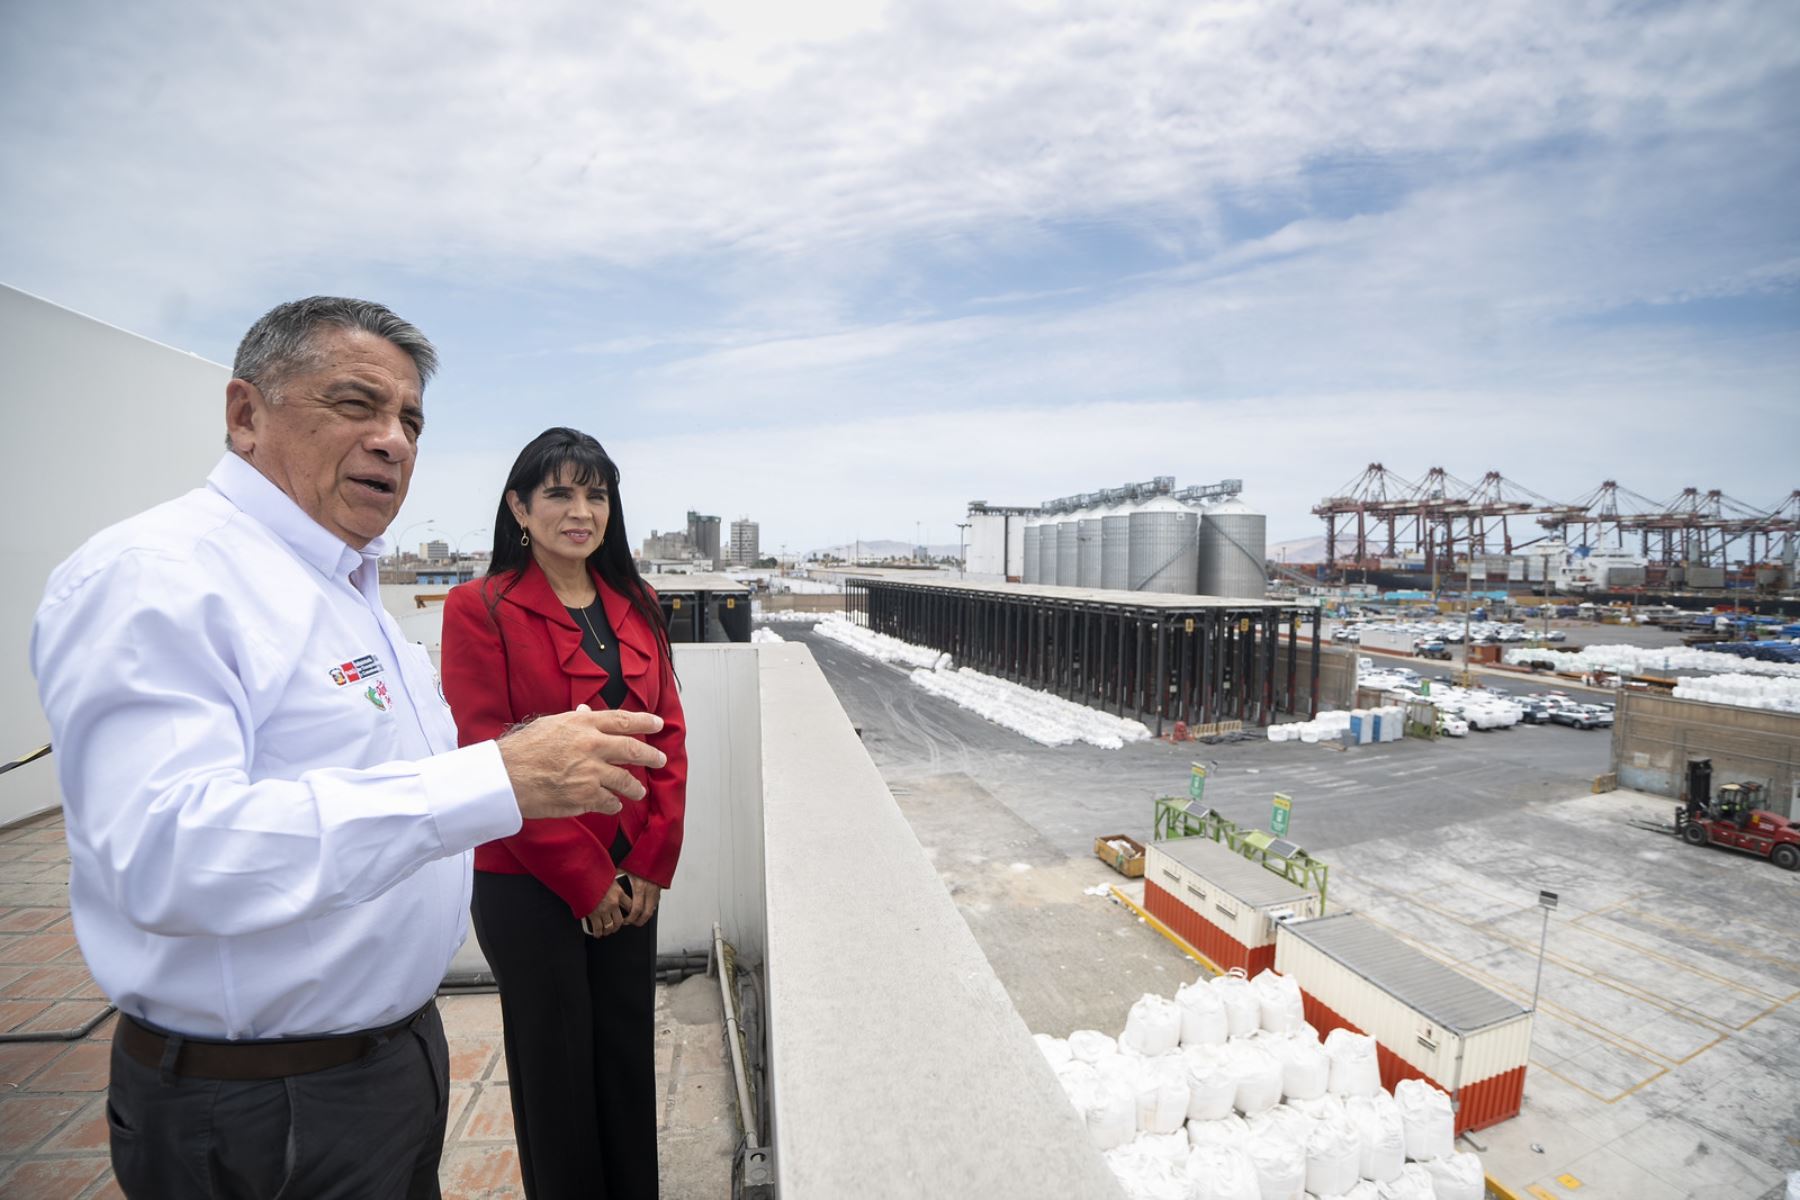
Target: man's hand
<point>573,763</point>
<point>644,896</point>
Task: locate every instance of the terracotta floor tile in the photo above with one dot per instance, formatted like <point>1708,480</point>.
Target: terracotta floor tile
<point>86,1133</point>
<point>35,947</point>
<point>30,920</point>
<point>103,1032</point>
<point>490,1119</point>
<point>464,1016</point>
<point>27,1120</point>
<point>18,1060</point>
<point>14,1013</point>
<point>470,1057</point>
<point>35,895</point>
<point>64,1014</point>
<point>108,1190</point>
<point>51,1178</point>
<point>50,854</point>
<point>481,1173</point>
<point>45,983</point>
<point>84,1067</point>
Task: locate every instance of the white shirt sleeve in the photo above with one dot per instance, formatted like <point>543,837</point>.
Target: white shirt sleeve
<point>154,726</point>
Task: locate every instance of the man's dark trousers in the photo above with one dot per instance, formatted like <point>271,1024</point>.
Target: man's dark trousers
<point>371,1129</point>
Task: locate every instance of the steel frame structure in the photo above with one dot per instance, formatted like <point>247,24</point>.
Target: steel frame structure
<point>1382,514</point>
<point>1160,662</point>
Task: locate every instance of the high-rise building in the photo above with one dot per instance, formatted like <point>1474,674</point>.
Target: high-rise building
<point>746,537</point>
<point>435,551</point>
<point>703,535</point>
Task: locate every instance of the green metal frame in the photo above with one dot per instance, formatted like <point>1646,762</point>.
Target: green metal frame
<point>1172,821</point>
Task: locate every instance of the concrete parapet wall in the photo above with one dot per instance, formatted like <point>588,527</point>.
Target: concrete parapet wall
<point>898,1064</point>
<point>800,602</point>
<point>1654,738</point>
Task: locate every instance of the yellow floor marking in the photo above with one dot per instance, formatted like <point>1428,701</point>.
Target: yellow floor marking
<point>1568,1181</point>
<point>1540,1193</point>
<point>1180,942</point>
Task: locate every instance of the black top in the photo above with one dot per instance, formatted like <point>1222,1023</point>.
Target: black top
<point>603,647</point>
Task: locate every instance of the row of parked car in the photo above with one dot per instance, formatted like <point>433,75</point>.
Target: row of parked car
<point>1461,709</point>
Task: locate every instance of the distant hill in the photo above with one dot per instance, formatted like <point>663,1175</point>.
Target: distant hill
<point>884,548</point>
<point>1300,550</point>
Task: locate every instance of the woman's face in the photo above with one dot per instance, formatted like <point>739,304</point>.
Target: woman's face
<point>565,520</point>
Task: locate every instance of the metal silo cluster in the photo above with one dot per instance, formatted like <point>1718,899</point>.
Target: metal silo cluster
<point>1148,537</point>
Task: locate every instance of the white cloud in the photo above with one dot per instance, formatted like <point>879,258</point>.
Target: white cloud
<point>914,253</point>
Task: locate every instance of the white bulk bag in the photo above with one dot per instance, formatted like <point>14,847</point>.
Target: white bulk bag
<point>1257,1076</point>
<point>1364,1190</point>
<point>1243,1015</point>
<point>1413,1183</point>
<point>1279,1009</point>
<point>1457,1177</point>
<point>1221,1173</point>
<point>1162,1094</point>
<point>1110,1111</point>
<point>1333,1153</point>
<point>1354,1069</point>
<point>1090,1045</point>
<point>1377,1118</point>
<point>1202,1014</point>
<point>1225,1131</point>
<point>1323,1109</point>
<point>1211,1088</point>
<point>1144,1174</point>
<point>1426,1119</point>
<point>1305,1068</point>
<point>1153,1027</point>
<point>1055,1049</point>
<point>1074,1076</point>
<point>1280,1165</point>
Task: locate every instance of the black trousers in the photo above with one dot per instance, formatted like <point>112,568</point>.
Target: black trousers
<point>580,1036</point>
<point>372,1128</point>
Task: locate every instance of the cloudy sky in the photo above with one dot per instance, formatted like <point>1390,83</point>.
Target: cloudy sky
<point>844,266</point>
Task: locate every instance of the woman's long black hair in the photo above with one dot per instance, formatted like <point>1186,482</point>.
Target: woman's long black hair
<point>542,459</point>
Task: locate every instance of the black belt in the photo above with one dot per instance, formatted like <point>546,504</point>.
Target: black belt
<point>198,1058</point>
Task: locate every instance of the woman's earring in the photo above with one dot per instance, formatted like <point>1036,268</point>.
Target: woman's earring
<point>524,538</point>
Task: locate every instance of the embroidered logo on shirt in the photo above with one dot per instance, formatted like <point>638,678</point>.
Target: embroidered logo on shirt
<point>356,670</point>
<point>378,696</point>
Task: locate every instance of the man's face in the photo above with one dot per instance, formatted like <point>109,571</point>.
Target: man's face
<point>343,437</point>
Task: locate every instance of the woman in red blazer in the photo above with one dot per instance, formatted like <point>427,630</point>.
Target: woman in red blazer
<point>565,909</point>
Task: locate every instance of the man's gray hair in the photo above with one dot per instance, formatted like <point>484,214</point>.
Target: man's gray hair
<point>281,341</point>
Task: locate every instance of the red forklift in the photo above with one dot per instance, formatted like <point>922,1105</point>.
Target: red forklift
<point>1732,817</point>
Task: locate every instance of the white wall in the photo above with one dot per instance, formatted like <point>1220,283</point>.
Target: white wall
<point>97,424</point>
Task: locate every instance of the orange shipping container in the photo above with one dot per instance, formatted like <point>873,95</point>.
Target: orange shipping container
<point>1219,902</point>
<point>1428,1020</point>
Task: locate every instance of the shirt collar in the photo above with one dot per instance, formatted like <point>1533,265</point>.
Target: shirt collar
<point>257,497</point>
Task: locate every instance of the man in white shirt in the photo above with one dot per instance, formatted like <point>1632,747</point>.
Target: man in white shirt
<point>269,822</point>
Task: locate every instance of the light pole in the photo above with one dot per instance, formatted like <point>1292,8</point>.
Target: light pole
<point>427,523</point>
<point>962,549</point>
<point>457,561</point>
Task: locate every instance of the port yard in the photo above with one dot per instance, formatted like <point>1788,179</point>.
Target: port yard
<point>1665,1056</point>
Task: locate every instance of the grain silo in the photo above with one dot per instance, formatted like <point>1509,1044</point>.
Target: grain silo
<point>1047,545</point>
<point>1115,541</point>
<point>1233,550</point>
<point>1088,544</point>
<point>1033,527</point>
<point>1165,547</point>
<point>1068,547</point>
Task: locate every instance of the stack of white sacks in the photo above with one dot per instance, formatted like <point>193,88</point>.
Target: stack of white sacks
<point>1364,725</point>
<point>1226,1093</point>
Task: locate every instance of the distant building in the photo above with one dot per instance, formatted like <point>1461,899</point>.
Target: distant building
<point>746,542</point>
<point>703,535</point>
<point>664,547</point>
<point>435,551</point>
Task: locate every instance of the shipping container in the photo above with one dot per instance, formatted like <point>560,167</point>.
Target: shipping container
<point>1221,903</point>
<point>1428,1020</point>
<point>1394,641</point>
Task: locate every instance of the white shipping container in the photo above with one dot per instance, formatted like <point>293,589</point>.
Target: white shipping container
<point>1450,1029</point>
<point>1394,641</point>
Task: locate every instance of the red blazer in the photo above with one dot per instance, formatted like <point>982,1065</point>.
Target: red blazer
<point>524,659</point>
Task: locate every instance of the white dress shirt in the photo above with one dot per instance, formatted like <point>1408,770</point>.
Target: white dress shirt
<point>269,821</point>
